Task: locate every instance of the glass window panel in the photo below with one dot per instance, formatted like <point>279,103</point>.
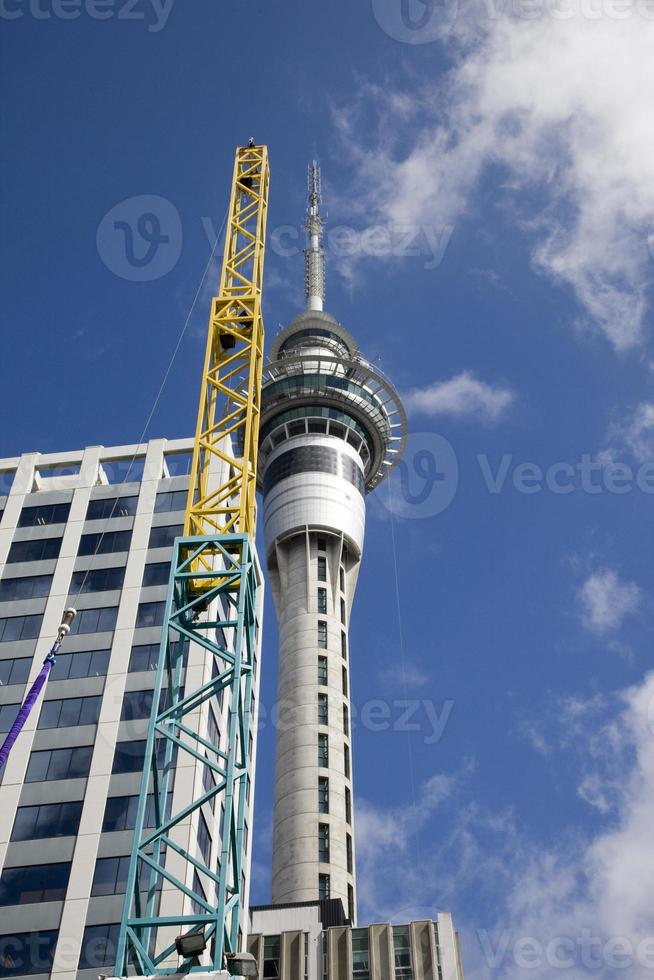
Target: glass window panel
<point>105,507</point>
<point>99,944</point>
<point>8,715</point>
<point>40,549</point>
<point>156,573</point>
<point>27,953</point>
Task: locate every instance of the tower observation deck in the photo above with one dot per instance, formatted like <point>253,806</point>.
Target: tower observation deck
<point>332,428</point>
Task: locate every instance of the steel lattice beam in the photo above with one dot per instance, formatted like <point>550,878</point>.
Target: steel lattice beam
<point>221,618</point>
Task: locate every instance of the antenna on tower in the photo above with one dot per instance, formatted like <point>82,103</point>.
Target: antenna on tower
<point>314,255</point>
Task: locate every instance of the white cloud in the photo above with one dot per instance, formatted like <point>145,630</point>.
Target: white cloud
<point>463,395</point>
<point>606,600</point>
<point>403,674</point>
<point>560,108</point>
<point>636,433</point>
<point>585,899</point>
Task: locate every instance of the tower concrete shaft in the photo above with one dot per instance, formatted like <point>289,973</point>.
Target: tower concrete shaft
<point>332,427</point>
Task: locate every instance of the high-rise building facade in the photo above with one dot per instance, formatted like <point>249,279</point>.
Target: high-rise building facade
<point>332,427</point>
<point>92,529</point>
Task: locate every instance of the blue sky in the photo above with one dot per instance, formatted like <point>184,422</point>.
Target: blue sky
<point>509,149</point>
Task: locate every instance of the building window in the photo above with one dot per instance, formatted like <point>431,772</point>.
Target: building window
<point>104,507</point>
<point>323,750</point>
<point>49,764</point>
<point>344,645</point>
<point>20,628</point>
<point>204,840</point>
<point>343,611</point>
<point>86,663</point>
<point>97,580</point>
<point>345,681</point>
<point>322,633</point>
<point>350,902</point>
<point>322,600</point>
<point>99,945</point>
<point>322,670</point>
<point>322,544</point>
<point>323,794</point>
<point>136,705</point>
<point>341,578</point>
<point>39,549</point>
<point>129,756</point>
<point>323,710</point>
<point>15,671</point>
<point>348,851</point>
<point>29,587</point>
<point>27,953</point>
<point>346,721</point>
<point>144,657</point>
<point>346,761</point>
<point>402,953</point>
<point>47,820</point>
<point>150,614</point>
<point>348,805</point>
<point>197,906</point>
<point>68,712</point>
<point>121,811</point>
<point>44,514</point>
<point>8,715</point>
<point>360,954</point>
<point>322,569</point>
<point>323,843</point>
<point>170,500</point>
<point>99,620</point>
<point>271,957</point>
<point>324,889</point>
<point>156,573</point>
<point>104,542</point>
<point>110,876</point>
<point>34,883</point>
<point>164,535</point>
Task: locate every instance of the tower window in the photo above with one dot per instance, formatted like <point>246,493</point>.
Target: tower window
<point>322,633</point>
<point>350,902</point>
<point>345,681</point>
<point>322,600</point>
<point>323,843</point>
<point>343,611</point>
<point>323,710</point>
<point>323,750</point>
<point>341,578</point>
<point>323,794</point>
<point>346,720</point>
<point>322,544</point>
<point>346,761</point>
<point>344,645</point>
<point>322,568</point>
<point>348,805</point>
<point>348,848</point>
<point>322,670</point>
<point>324,887</point>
